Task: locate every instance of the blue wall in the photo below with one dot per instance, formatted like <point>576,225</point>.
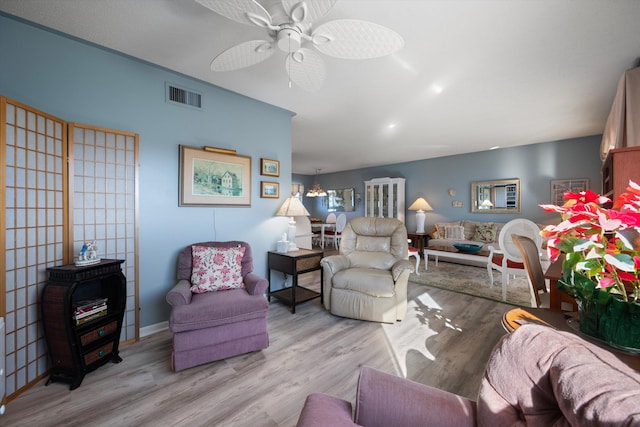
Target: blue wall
<point>82,83</point>
<point>535,165</point>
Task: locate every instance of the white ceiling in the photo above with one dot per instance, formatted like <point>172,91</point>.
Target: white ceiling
<point>511,72</point>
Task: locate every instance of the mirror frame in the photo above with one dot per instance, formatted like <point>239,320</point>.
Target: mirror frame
<point>475,202</point>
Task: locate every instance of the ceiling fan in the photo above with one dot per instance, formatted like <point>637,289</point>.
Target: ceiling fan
<point>289,24</point>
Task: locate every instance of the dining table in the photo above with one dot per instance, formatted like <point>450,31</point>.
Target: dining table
<point>323,226</point>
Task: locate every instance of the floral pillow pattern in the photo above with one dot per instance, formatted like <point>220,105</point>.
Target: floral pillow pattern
<point>216,269</point>
<point>486,233</point>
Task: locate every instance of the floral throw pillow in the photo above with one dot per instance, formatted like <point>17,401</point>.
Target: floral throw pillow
<point>216,269</point>
<point>485,233</point>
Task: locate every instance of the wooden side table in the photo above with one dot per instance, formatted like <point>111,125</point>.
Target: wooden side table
<point>295,263</point>
<point>418,240</point>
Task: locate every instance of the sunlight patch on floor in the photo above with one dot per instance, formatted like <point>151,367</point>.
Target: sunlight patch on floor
<point>424,320</point>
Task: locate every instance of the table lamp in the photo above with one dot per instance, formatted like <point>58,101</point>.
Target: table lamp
<point>292,207</point>
<point>486,204</point>
<point>420,205</point>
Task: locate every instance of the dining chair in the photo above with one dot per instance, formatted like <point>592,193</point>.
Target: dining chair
<point>316,236</point>
<point>506,258</point>
<point>533,268</point>
<point>336,233</point>
<point>318,233</point>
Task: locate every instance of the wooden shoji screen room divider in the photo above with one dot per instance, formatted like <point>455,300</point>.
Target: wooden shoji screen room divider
<point>104,205</point>
<point>59,189</point>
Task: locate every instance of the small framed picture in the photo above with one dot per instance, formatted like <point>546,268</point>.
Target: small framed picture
<point>561,186</point>
<point>269,167</point>
<point>269,190</point>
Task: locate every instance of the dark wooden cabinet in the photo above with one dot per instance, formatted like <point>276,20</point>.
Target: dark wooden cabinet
<point>620,166</point>
<point>75,350</point>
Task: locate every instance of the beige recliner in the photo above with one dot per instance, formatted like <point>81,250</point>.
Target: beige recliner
<point>368,279</point>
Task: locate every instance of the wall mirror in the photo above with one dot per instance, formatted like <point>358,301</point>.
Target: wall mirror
<point>502,196</point>
<point>341,200</point>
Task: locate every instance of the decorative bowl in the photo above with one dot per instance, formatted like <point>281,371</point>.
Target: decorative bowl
<point>467,247</point>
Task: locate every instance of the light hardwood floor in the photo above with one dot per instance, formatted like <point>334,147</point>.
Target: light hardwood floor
<point>444,341</point>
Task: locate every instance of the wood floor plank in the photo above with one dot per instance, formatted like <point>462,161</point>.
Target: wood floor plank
<point>444,341</point>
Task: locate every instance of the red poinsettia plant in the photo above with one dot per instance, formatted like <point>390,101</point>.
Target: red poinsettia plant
<point>600,246</point>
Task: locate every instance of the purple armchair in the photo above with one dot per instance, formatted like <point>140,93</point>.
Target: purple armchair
<point>536,376</point>
<point>216,325</point>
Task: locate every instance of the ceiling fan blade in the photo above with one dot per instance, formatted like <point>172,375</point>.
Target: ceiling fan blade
<point>243,55</point>
<point>247,12</point>
<point>306,69</point>
<point>354,39</point>
<point>307,11</point>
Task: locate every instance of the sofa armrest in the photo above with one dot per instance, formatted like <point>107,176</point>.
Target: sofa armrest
<point>255,285</point>
<point>399,267</point>
<point>180,294</point>
<point>543,376</point>
<point>386,400</point>
<point>322,410</point>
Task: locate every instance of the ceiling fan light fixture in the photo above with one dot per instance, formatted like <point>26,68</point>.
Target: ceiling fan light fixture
<point>288,35</point>
<point>289,22</point>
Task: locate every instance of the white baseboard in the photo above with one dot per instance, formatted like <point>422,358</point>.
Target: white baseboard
<point>153,329</point>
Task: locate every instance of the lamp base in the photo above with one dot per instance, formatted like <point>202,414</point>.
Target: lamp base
<point>291,235</point>
<point>420,217</point>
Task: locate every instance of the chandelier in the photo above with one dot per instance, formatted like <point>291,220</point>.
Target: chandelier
<point>316,190</point>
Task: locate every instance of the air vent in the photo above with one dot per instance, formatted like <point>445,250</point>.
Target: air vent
<point>183,96</point>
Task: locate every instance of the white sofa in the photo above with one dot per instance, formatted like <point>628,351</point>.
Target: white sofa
<point>444,235</point>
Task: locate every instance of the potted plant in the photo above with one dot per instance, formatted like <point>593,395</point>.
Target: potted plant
<point>600,249</point>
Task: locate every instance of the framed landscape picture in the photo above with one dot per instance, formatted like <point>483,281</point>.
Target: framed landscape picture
<point>211,178</point>
<point>269,190</point>
<point>561,186</point>
<point>269,167</point>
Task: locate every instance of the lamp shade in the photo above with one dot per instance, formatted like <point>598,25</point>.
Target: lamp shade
<point>420,205</point>
<point>486,203</point>
<point>292,207</point>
